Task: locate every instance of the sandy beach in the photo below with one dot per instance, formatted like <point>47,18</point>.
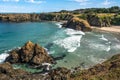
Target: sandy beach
<point>113,29</point>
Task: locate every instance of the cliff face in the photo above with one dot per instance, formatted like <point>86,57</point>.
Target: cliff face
<point>55,16</point>
<point>78,24</point>
<point>99,20</point>
<point>34,17</point>
<point>19,17</point>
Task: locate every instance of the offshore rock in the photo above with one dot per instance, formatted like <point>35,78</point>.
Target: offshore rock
<point>30,53</point>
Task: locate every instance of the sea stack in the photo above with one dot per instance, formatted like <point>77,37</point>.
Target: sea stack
<point>30,53</point>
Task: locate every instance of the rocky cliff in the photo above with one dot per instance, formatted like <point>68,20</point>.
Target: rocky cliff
<point>78,24</point>
<point>34,17</point>
<point>99,20</point>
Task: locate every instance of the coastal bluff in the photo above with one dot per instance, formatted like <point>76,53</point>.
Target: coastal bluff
<point>78,24</point>
<point>34,17</point>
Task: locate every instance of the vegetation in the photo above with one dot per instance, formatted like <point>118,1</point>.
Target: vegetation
<point>116,20</point>
<point>108,70</point>
<point>101,17</point>
<point>114,9</point>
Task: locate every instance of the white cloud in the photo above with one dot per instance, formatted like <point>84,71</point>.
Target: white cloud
<point>81,1</point>
<point>11,0</point>
<point>35,1</point>
<point>106,3</point>
<point>29,1</point>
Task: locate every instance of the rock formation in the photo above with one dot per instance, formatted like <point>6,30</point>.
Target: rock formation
<point>108,70</point>
<point>99,20</point>
<point>78,24</point>
<point>30,53</point>
<point>34,17</point>
<point>7,72</point>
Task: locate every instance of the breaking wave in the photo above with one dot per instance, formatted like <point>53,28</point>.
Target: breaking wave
<point>72,42</point>
<point>3,56</point>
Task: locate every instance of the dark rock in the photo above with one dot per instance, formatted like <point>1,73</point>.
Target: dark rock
<point>30,53</point>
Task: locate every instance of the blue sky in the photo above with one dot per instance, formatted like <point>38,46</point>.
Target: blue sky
<point>28,6</point>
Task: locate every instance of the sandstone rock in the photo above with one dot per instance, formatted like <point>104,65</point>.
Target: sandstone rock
<point>78,24</point>
<point>30,53</point>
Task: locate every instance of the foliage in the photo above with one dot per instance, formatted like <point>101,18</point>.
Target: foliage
<point>114,9</point>
<point>116,20</point>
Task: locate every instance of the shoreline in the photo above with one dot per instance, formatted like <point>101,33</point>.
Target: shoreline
<point>112,29</point>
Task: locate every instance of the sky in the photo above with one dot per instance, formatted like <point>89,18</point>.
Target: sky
<point>39,6</point>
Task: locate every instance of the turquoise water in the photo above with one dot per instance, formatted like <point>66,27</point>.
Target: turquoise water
<point>81,49</point>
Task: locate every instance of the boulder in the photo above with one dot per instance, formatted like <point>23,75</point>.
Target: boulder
<point>78,24</point>
<point>30,53</point>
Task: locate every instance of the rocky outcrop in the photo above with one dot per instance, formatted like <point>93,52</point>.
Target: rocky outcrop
<point>78,24</point>
<point>30,53</point>
<point>108,70</point>
<point>7,72</point>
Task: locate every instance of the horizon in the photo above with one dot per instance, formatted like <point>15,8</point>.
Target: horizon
<point>41,6</point>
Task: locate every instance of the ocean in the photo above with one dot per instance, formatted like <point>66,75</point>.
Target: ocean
<point>79,48</point>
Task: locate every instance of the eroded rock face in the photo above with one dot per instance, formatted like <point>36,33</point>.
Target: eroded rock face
<point>29,53</point>
<point>78,24</point>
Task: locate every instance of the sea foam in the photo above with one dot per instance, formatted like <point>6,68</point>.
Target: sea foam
<point>59,24</point>
<point>72,42</point>
<point>3,56</point>
<point>103,38</point>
